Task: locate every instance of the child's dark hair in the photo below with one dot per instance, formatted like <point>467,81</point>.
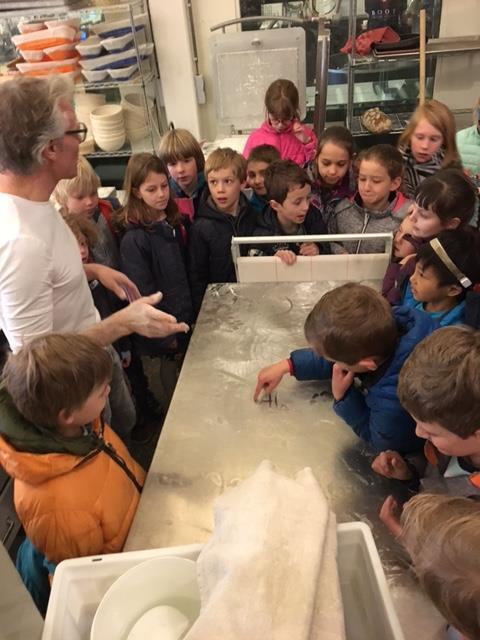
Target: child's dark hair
<point>463,248</point>
<point>385,155</point>
<point>264,153</point>
<point>282,101</point>
<point>280,177</point>
<point>135,209</point>
<point>449,193</point>
<point>340,137</point>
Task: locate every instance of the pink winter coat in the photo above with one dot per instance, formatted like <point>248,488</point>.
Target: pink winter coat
<point>286,142</point>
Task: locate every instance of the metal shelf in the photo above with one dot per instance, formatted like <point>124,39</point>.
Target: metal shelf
<point>437,47</point>
<point>135,81</point>
<point>123,153</point>
<point>399,122</point>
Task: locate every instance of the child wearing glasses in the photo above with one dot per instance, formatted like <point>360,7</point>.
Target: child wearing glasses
<point>282,127</point>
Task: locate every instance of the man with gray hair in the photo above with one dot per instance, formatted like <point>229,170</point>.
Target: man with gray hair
<point>43,287</point>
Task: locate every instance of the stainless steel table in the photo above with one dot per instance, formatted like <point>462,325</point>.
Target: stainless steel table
<point>215,435</point>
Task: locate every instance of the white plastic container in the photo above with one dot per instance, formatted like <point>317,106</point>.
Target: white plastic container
<point>80,584</point>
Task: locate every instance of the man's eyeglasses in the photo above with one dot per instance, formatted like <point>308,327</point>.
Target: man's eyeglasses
<point>80,133</point>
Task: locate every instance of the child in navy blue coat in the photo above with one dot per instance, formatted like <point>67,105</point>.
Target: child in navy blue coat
<point>359,342</point>
<point>153,253</point>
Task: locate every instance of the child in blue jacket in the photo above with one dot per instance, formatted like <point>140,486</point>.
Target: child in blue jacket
<point>358,341</point>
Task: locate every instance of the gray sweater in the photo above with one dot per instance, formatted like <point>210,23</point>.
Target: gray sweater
<point>351,216</point>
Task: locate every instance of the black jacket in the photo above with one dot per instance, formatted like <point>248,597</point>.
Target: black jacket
<point>210,244</point>
<point>153,257</point>
<point>268,225</point>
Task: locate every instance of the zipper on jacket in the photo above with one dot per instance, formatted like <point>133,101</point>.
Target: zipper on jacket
<point>107,448</point>
<point>366,219</point>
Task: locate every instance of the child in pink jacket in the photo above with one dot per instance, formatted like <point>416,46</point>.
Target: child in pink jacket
<point>282,129</point>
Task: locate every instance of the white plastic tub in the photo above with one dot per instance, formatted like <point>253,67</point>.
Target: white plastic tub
<point>80,584</point>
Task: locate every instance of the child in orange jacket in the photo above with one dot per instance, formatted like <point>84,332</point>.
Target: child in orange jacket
<point>76,486</point>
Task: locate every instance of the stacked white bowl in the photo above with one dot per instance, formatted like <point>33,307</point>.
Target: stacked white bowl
<point>135,114</point>
<point>84,103</point>
<point>108,127</point>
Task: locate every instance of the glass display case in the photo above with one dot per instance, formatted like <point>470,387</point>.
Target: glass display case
<point>358,82</point>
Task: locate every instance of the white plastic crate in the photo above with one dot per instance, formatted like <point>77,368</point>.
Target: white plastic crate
<point>80,584</point>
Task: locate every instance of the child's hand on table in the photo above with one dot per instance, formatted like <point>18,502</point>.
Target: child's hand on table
<point>390,516</point>
<point>270,377</point>
<point>390,464</point>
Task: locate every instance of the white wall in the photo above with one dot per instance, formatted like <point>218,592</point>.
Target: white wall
<point>457,78</point>
<point>206,14</point>
<point>175,59</point>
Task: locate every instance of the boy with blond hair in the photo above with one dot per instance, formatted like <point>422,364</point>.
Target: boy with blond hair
<point>358,341</point>
<point>439,386</point>
<point>223,213</point>
<point>79,196</point>
<point>62,456</point>
<point>185,161</point>
<point>442,536</point>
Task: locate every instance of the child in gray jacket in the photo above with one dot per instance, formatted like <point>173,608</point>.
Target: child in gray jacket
<point>378,206</point>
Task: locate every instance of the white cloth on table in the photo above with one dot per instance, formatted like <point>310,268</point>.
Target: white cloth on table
<point>269,571</point>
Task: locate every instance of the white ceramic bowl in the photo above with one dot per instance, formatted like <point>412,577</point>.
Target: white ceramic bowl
<point>136,102</point>
<point>107,112</point>
<point>167,581</point>
<point>89,47</point>
<point>88,101</point>
<point>109,142</point>
<point>136,134</point>
<point>94,76</point>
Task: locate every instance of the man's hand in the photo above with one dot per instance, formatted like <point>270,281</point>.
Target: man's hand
<point>142,317</point>
<point>309,249</point>
<point>270,377</point>
<point>114,280</point>
<point>390,516</point>
<point>342,380</point>
<point>299,132</point>
<point>390,464</point>
<point>286,256</point>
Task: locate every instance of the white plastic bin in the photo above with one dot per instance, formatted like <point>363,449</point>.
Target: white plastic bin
<point>80,584</point>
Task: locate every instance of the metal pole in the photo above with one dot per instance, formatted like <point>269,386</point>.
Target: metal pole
<point>352,32</point>
<point>321,76</point>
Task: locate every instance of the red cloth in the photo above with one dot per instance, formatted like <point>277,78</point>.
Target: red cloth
<point>364,41</point>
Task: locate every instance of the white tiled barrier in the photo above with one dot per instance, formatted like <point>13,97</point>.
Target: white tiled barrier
<point>330,267</point>
<point>335,267</point>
